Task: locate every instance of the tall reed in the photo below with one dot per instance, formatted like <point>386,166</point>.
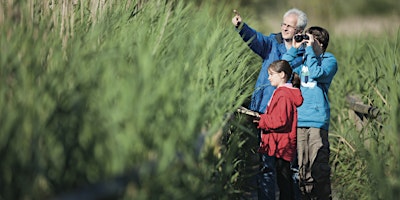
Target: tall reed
<point>93,90</point>
<point>95,95</point>
<point>369,68</point>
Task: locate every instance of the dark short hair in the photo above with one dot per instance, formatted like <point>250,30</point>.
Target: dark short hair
<point>320,34</point>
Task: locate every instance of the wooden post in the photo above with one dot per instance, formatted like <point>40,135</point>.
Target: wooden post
<point>361,111</point>
<point>356,104</point>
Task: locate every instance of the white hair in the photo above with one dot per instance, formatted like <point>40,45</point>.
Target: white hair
<point>301,17</point>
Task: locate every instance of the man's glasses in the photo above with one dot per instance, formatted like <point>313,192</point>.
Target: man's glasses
<point>287,25</point>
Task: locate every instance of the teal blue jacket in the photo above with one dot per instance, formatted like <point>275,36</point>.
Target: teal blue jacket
<point>316,73</point>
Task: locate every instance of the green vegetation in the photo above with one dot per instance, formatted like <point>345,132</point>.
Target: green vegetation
<point>368,168</point>
<point>147,90</point>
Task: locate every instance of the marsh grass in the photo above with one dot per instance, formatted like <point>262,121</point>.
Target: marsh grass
<point>368,67</point>
<point>93,89</point>
<point>91,92</point>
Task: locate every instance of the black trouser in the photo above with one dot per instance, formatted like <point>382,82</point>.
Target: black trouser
<point>284,179</point>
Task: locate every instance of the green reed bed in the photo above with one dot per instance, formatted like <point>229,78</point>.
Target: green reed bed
<point>92,91</point>
<point>146,90</point>
<point>366,159</point>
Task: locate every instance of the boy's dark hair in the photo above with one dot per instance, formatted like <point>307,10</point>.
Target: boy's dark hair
<point>320,34</point>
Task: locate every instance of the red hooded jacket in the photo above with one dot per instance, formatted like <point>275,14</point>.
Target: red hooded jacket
<point>279,123</point>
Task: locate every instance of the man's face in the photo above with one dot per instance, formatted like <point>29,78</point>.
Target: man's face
<point>288,26</point>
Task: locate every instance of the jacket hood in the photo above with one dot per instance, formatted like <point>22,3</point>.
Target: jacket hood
<point>292,93</point>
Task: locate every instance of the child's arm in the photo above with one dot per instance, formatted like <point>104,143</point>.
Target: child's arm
<point>279,117</point>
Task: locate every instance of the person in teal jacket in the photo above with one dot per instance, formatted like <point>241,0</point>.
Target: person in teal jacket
<point>270,48</point>
<point>316,74</point>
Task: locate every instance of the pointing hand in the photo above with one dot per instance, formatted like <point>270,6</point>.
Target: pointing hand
<point>236,20</point>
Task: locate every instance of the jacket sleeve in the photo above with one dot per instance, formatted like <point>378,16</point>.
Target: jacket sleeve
<point>279,117</point>
<point>323,72</point>
<point>258,43</point>
<point>290,55</point>
<point>295,58</point>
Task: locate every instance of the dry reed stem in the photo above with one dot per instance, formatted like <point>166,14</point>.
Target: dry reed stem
<point>344,141</point>
<point>163,29</point>
<point>82,14</point>
<point>380,95</point>
<point>31,10</point>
